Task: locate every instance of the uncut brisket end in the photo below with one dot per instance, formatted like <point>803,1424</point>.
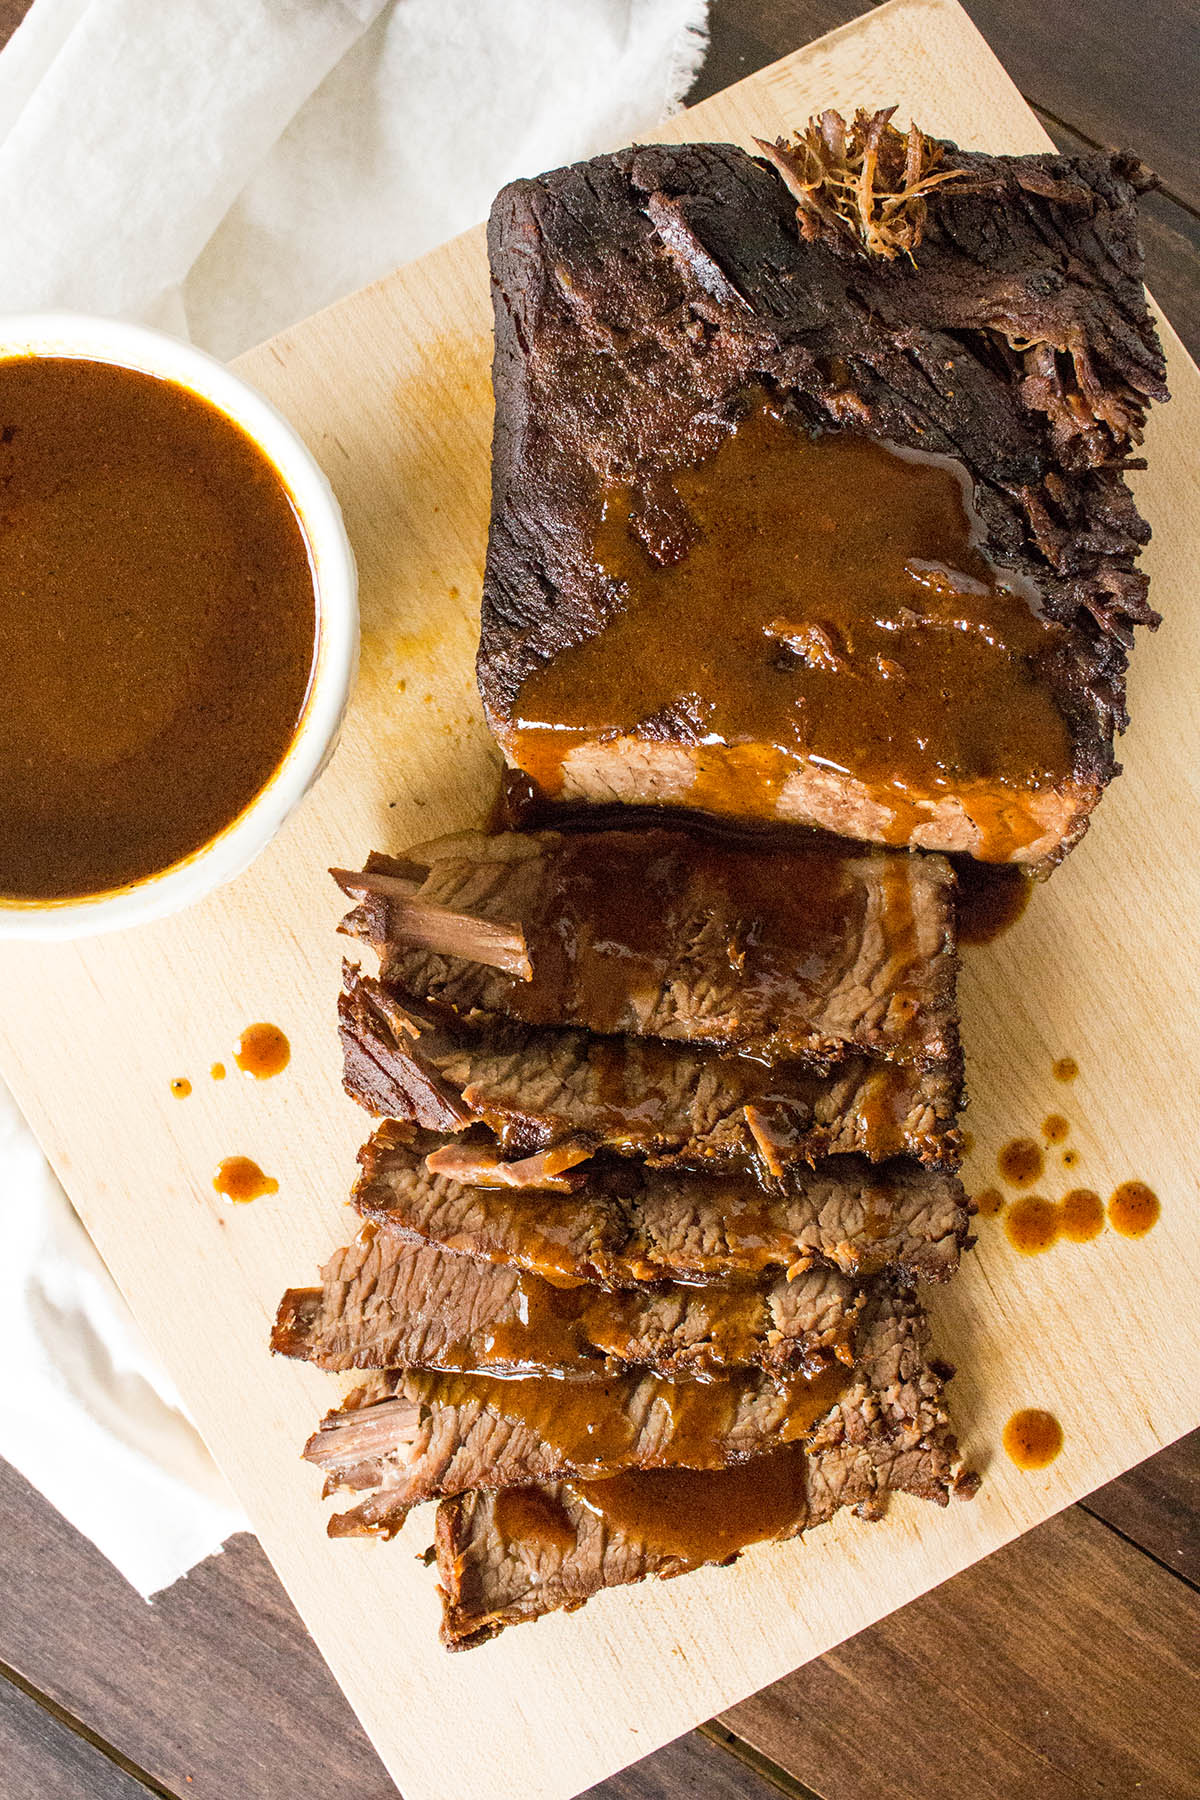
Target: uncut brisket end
<point>386,1303</point>
<point>626,1224</point>
<point>535,1086</point>
<point>640,296</point>
<point>489,1580</point>
<point>784,953</point>
<point>417,1437</point>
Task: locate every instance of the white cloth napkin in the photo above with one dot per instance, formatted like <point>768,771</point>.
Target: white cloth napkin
<point>222,168</point>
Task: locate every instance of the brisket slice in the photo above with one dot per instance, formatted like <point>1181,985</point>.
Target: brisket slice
<point>491,1575</point>
<point>784,953</point>
<point>627,1224</point>
<point>535,1086</point>
<point>386,1303</point>
<point>640,296</point>
<point>413,1437</point>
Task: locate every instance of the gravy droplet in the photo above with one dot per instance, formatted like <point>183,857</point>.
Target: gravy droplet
<point>181,1087</point>
<point>1032,1439</point>
<point>1065,1069</point>
<point>1070,1158</point>
<point>1055,1128</point>
<point>1021,1162</point>
<point>217,1071</point>
<point>1133,1209</point>
<point>989,1204</point>
<point>238,1179</point>
<point>263,1051</point>
<point>991,898</point>
<point>1032,1224</point>
<point>1081,1215</point>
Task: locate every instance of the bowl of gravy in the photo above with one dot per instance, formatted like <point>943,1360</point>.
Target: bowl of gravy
<point>178,624</point>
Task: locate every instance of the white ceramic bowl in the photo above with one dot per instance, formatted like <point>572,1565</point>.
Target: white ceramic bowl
<point>135,347</point>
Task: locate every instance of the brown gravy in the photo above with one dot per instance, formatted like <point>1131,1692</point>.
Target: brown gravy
<point>532,1516</point>
<point>990,1203</point>
<point>1055,1129</point>
<point>239,1179</point>
<point>1031,1224</point>
<point>157,625</point>
<point>590,1426</point>
<point>1032,1439</point>
<point>263,1051</point>
<point>1133,1209</point>
<point>1021,1162</point>
<point>1065,1069</point>
<point>991,898</point>
<point>821,595</point>
<point>704,1516</point>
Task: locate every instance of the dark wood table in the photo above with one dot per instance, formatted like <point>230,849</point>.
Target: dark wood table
<point>1061,1668</point>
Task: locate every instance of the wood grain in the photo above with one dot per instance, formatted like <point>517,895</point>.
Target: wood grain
<point>391,390</point>
<point>1157,1507</point>
<point>43,1759</point>
<point>1062,1667</point>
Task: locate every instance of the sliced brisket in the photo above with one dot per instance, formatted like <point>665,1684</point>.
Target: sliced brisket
<point>785,953</point>
<point>638,644</point>
<point>508,1558</point>
<point>626,1224</point>
<point>413,1437</point>
<point>534,1086</point>
<point>386,1303</point>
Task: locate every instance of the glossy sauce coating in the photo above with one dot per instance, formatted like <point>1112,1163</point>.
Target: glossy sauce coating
<point>157,625</point>
<point>1032,1439</point>
<point>813,600</point>
<point>239,1180</point>
<point>531,1516</point>
<point>1133,1209</point>
<point>701,1515</point>
<point>1021,1162</point>
<point>263,1051</point>
<point>589,1424</point>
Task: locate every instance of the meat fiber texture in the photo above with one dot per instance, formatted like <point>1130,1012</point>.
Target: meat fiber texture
<point>781,952</point>
<point>418,1437</point>
<point>638,295</point>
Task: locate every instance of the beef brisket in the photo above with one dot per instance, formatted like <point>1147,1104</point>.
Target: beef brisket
<point>700,402</point>
<point>500,1564</point>
<point>534,1086</point>
<point>416,1437</point>
<point>627,1224</point>
<point>784,953</point>
<point>386,1303</point>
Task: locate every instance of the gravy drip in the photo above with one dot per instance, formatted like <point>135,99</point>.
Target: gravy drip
<point>991,898</point>
<point>239,1180</point>
<point>1133,1209</point>
<point>703,1516</point>
<point>1021,1162</point>
<point>157,625</point>
<point>263,1051</point>
<point>1032,1438</point>
<point>819,602</point>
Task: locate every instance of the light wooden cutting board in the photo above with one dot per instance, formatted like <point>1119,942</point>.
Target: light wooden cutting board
<point>391,389</point>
